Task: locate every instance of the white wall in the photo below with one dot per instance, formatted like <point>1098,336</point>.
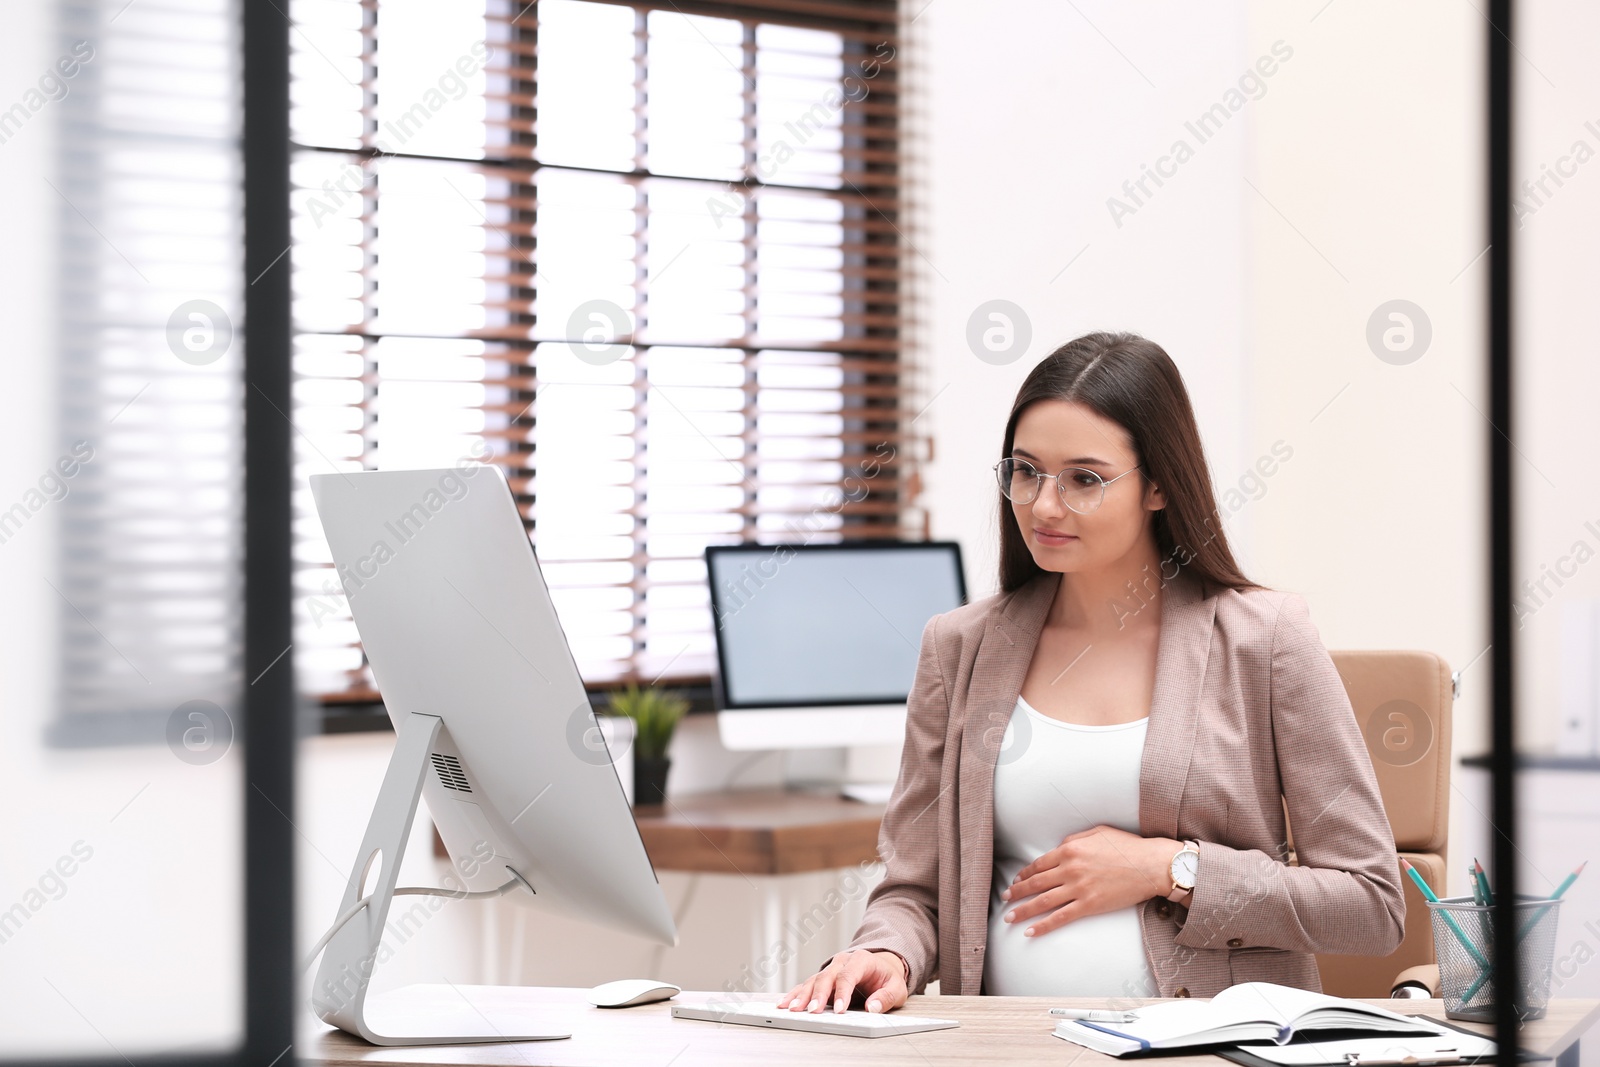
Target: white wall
<point>1036,113</point>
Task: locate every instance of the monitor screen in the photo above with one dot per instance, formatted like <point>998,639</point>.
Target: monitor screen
<point>801,625</point>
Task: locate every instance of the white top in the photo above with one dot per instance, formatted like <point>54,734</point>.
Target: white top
<point>1052,779</point>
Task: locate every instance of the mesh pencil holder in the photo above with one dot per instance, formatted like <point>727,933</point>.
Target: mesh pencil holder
<point>1463,940</point>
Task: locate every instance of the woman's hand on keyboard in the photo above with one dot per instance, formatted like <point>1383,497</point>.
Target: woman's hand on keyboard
<point>879,976</point>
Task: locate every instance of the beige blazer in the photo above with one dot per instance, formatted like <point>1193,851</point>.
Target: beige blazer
<point>1248,718</point>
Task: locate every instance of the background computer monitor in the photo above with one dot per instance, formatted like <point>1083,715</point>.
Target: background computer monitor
<point>817,645</point>
<point>494,729</point>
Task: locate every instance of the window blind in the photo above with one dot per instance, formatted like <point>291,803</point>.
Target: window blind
<point>644,257</point>
<point>148,502</point>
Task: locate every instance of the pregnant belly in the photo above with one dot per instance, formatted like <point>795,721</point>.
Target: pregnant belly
<point>1096,956</point>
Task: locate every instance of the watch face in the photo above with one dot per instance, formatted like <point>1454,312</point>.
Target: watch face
<point>1185,868</point>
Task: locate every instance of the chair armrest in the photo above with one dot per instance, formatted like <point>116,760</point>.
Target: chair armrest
<point>1420,981</point>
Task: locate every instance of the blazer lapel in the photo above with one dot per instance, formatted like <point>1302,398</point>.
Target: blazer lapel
<point>1181,660</point>
<point>1000,666</point>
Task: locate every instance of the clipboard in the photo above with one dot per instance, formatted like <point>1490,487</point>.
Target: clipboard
<point>1242,1055</point>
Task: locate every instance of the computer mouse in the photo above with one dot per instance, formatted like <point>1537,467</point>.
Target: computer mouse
<point>629,992</point>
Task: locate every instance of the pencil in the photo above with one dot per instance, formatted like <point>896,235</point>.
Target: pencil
<point>1482,880</point>
<point>1482,895</point>
<point>1566,884</point>
<point>1450,920</point>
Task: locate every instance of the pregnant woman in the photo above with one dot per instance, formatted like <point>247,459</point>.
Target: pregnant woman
<point>1099,757</point>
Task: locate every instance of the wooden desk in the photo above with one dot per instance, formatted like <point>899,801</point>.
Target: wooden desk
<point>765,831</point>
<point>997,1030</point>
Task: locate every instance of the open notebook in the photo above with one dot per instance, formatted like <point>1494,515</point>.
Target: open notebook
<point>1250,1011</point>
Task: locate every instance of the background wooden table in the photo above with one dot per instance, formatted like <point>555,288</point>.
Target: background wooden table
<point>765,831</point>
<point>993,1030</point>
<point>758,831</point>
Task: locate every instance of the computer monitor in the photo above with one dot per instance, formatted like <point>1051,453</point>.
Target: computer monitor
<point>817,645</point>
<point>493,729</point>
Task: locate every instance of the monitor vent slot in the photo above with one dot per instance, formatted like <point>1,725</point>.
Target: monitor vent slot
<point>451,776</point>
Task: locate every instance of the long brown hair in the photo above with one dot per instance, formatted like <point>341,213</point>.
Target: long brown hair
<point>1134,383</point>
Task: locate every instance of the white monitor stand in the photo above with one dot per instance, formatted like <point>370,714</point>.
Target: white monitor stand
<point>855,748</point>
<point>443,1014</point>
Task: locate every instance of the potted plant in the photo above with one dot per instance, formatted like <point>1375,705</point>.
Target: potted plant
<point>655,714</point>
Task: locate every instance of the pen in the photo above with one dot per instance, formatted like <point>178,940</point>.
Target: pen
<point>1444,1055</point>
<point>1095,1015</point>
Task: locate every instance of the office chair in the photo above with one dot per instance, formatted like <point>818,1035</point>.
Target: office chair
<point>1402,701</point>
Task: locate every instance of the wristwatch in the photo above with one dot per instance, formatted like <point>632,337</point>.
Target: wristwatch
<point>1185,869</point>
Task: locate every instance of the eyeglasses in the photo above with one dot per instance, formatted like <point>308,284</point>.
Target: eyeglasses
<point>1082,490</point>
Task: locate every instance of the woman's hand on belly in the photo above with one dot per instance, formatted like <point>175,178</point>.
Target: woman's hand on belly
<point>1097,870</point>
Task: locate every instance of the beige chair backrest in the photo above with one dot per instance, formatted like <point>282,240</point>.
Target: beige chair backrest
<point>1402,701</point>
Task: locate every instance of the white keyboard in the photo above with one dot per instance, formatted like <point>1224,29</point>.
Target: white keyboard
<point>768,1014</point>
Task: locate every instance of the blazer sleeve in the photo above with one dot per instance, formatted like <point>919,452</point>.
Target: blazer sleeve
<point>1344,896</point>
<point>902,911</point>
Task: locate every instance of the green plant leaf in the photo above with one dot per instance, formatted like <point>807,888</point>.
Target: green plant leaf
<point>655,714</point>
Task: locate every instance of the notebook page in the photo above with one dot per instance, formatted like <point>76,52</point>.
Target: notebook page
<point>1265,1000</point>
<point>1179,1021</point>
<point>1303,1009</point>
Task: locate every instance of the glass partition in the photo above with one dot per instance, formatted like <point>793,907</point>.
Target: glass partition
<point>1555,206</point>
<point>122,931</point>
